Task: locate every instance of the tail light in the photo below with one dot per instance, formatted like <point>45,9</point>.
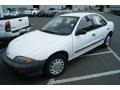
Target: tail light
<point>7,26</point>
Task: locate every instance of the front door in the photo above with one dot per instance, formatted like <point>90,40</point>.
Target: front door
<point>82,42</point>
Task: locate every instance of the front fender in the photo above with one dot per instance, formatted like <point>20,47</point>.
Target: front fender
<point>42,54</point>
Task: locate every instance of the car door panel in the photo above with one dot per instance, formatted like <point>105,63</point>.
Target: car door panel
<point>81,43</point>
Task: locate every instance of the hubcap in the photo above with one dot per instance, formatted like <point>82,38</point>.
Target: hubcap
<point>56,66</point>
<point>108,40</point>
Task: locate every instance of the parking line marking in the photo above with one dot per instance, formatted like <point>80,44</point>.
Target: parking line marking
<point>117,57</point>
<point>107,52</point>
<point>53,81</point>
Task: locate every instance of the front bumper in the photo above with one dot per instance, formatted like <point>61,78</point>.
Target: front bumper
<point>24,69</point>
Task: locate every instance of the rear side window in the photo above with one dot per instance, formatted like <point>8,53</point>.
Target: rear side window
<point>98,20</point>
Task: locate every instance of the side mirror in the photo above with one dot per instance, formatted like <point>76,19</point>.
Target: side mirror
<point>79,32</point>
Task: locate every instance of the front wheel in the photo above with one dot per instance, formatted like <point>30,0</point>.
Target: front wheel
<point>55,65</point>
<point>107,41</point>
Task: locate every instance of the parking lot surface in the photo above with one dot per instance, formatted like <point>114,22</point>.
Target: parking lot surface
<point>99,66</point>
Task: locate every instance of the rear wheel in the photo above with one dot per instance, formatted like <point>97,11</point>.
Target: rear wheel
<point>55,65</point>
<point>107,41</point>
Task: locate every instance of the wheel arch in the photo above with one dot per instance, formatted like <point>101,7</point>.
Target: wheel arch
<point>110,33</point>
<point>65,53</point>
<point>47,61</point>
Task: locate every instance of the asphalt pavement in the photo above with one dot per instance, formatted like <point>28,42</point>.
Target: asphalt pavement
<point>100,66</point>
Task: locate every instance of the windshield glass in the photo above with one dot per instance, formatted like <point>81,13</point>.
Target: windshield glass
<point>61,25</point>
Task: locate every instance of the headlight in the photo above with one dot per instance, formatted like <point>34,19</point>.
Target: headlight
<point>24,59</point>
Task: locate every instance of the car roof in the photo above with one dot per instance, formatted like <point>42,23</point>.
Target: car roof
<point>80,14</point>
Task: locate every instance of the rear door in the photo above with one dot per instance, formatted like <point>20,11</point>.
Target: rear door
<point>101,28</point>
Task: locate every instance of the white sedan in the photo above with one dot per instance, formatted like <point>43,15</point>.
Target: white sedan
<point>49,49</point>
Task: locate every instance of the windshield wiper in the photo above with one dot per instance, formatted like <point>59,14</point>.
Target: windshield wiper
<point>47,31</point>
<point>51,32</point>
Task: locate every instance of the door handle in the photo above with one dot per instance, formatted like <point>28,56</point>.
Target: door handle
<point>20,19</point>
<point>93,34</point>
<point>108,28</point>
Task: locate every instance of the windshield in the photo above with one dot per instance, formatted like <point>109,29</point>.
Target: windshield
<point>61,25</point>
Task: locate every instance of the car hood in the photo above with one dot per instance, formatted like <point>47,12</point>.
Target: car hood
<point>32,42</point>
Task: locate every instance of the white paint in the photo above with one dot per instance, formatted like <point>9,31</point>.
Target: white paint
<point>53,81</point>
<point>16,25</point>
<point>117,57</point>
<point>107,52</point>
<point>40,45</point>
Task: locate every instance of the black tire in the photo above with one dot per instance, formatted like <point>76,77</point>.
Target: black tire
<point>107,41</point>
<point>49,62</point>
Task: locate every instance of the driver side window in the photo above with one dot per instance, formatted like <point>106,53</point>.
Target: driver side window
<point>85,24</point>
